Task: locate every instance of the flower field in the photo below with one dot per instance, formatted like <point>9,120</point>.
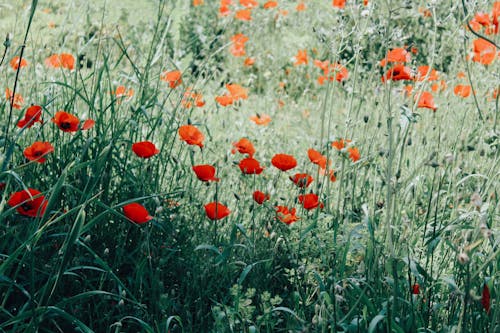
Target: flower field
<point>249,166</point>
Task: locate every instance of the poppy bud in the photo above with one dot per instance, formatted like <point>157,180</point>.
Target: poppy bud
<point>415,289</point>
<point>365,119</point>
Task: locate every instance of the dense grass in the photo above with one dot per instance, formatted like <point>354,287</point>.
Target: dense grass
<point>406,241</point>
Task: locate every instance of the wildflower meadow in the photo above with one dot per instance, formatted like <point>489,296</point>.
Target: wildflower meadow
<point>249,166</point>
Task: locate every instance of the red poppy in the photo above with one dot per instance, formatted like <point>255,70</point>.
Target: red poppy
<point>286,215</point>
<point>250,166</point>
<point>205,172</point>
<point>136,213</point>
<point>260,197</point>
<point>462,90</point>
<point>244,14</point>
<point>174,78</point>
<point>37,151</point>
<point>338,3</point>
<point>66,121</point>
<point>243,146</point>
<point>484,51</point>
<point>485,299</point>
<point>354,154</point>
<point>29,203</point>
<point>415,290</point>
<point>301,58</point>
<point>422,72</point>
<point>17,100</point>
<point>238,47</point>
<point>396,55</point>
<point>316,158</point>
<point>191,135</point>
<point>302,179</point>
<point>15,63</point>
<point>284,162</point>
<point>64,60</point>
<point>340,144</point>
<point>261,119</point>
<point>32,116</point>
<point>216,211</point>
<point>310,201</point>
<point>270,4</point>
<point>88,124</point>
<point>224,100</point>
<point>145,149</point>
<point>249,3</point>
<point>427,101</point>
<point>236,91</point>
<point>398,73</point>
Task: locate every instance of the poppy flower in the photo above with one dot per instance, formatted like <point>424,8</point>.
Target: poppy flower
<point>37,151</point>
<point>354,154</point>
<point>284,162</point>
<point>197,3</point>
<point>398,73</point>
<point>205,172</point>
<point>310,201</point>
<point>224,100</point>
<point>243,146</point>
<point>249,61</point>
<point>485,298</point>
<point>17,100</point>
<point>137,213</point>
<point>145,149</point>
<point>396,55</point>
<point>261,119</point>
<point>32,116</point>
<point>192,98</point>
<point>237,48</point>
<point>191,135</point>
<point>426,101</point>
<point>29,203</point>
<point>249,3</point>
<point>244,14</point>
<point>341,73</point>
<point>121,91</point>
<point>64,60</point>
<point>302,179</point>
<point>286,215</point>
<point>66,121</point>
<point>88,124</point>
<point>301,58</point>
<point>270,4</point>
<point>236,91</point>
<point>15,63</point>
<point>250,166</point>
<point>462,90</point>
<point>300,7</point>
<point>338,3</point>
<point>340,144</point>
<point>316,158</point>
<point>415,290</point>
<point>224,11</point>
<point>174,78</point>
<point>216,211</point>
<point>260,197</point>
<point>484,51</point>
<point>422,72</point>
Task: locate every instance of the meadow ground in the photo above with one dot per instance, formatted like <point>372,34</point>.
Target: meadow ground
<point>249,166</point>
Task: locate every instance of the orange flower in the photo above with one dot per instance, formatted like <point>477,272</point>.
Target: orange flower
<point>191,97</point>
<point>250,166</point>
<point>426,101</point>
<point>237,92</point>
<point>396,55</point>
<point>249,3</point>
<point>270,4</point>
<point>216,211</point>
<point>484,52</point>
<point>15,64</point>
<point>300,7</point>
<point>397,73</point>
<point>88,124</point>
<point>243,146</point>
<point>64,60</point>
<point>237,48</point>
<point>462,90</point>
<point>32,116</point>
<point>338,3</point>
<point>249,62</point>
<point>316,158</point>
<point>286,215</point>
<point>205,172</point>
<point>16,99</point>
<point>354,154</point>
<point>263,119</point>
<point>301,58</point>
<point>191,135</point>
<point>422,72</point>
<point>284,162</point>
<point>224,100</point>
<point>145,149</point>
<point>37,151</point>
<point>310,201</point>
<point>340,144</point>
<point>66,121</point>
<point>121,91</point>
<point>174,78</point>
<point>197,3</point>
<point>137,213</point>
<point>244,14</point>
<point>302,180</point>
<point>260,197</point>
